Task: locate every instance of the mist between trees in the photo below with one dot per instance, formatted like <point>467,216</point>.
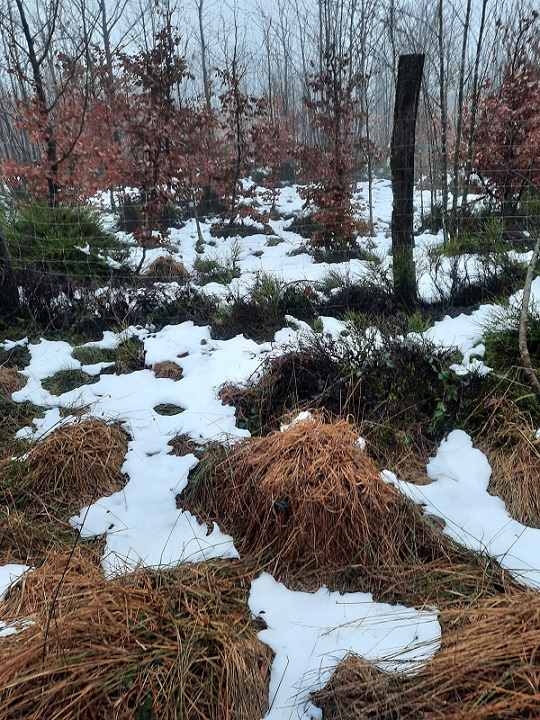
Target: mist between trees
<point>174,105</point>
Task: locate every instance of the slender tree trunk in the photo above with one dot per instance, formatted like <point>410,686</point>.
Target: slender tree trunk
<point>459,125</point>
<point>204,50</point>
<point>444,123</point>
<point>474,109</point>
<point>39,85</point>
<point>409,80</point>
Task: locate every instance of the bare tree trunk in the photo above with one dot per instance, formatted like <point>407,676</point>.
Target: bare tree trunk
<point>528,369</point>
<point>459,125</point>
<point>409,81</point>
<point>474,109</point>
<point>444,123</point>
<point>39,85</point>
<point>204,50</point>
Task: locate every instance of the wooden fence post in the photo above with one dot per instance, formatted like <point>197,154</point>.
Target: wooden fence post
<point>409,79</point>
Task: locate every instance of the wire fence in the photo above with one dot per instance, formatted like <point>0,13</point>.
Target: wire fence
<point>81,258</point>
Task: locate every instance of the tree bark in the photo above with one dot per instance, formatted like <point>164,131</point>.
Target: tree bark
<point>409,79</point>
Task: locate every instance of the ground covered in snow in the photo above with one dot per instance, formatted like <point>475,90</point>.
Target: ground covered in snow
<point>142,525</point>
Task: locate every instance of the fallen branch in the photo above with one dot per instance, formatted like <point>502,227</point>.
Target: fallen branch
<point>528,369</point>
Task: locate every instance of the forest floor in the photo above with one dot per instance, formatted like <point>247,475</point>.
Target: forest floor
<point>294,499</point>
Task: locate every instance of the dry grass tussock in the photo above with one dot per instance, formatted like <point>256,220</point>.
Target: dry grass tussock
<point>10,381</point>
<point>167,269</point>
<point>72,467</point>
<point>310,502</point>
<point>179,644</point>
<point>487,669</point>
<point>167,369</point>
<point>509,443</point>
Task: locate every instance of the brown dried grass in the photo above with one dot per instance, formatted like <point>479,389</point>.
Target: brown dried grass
<point>10,381</point>
<point>310,501</point>
<point>179,644</point>
<point>167,369</point>
<point>508,441</point>
<point>74,466</point>
<point>167,269</point>
<point>487,669</point>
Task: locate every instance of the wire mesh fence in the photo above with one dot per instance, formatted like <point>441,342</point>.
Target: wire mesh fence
<point>89,259</point>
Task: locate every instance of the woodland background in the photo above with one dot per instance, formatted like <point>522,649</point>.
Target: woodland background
<point>174,104</point>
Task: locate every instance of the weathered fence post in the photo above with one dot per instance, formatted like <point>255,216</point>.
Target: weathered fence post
<point>409,79</point>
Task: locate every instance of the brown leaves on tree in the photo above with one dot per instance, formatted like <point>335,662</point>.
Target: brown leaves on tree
<point>333,161</point>
<point>507,137</point>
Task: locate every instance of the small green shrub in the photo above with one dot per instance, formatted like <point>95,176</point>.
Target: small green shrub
<point>209,270</point>
<point>501,341</point>
<point>216,268</point>
<point>529,211</point>
<point>418,323</point>
<point>487,239</point>
<point>332,280</point>
<point>61,241</point>
<point>267,292</point>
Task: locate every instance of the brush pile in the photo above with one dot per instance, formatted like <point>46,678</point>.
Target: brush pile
<point>179,644</point>
<point>488,669</point>
<point>308,499</point>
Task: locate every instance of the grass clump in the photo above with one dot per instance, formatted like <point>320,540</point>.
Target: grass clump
<point>488,668</point>
<point>17,357</point>
<point>88,355</point>
<point>10,381</point>
<point>166,269</point>
<point>508,439</point>
<point>167,369</point>
<point>76,464</point>
<point>403,393</point>
<point>309,501</point>
<point>177,644</point>
<point>219,269</point>
<point>209,270</point>
<point>71,467</point>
